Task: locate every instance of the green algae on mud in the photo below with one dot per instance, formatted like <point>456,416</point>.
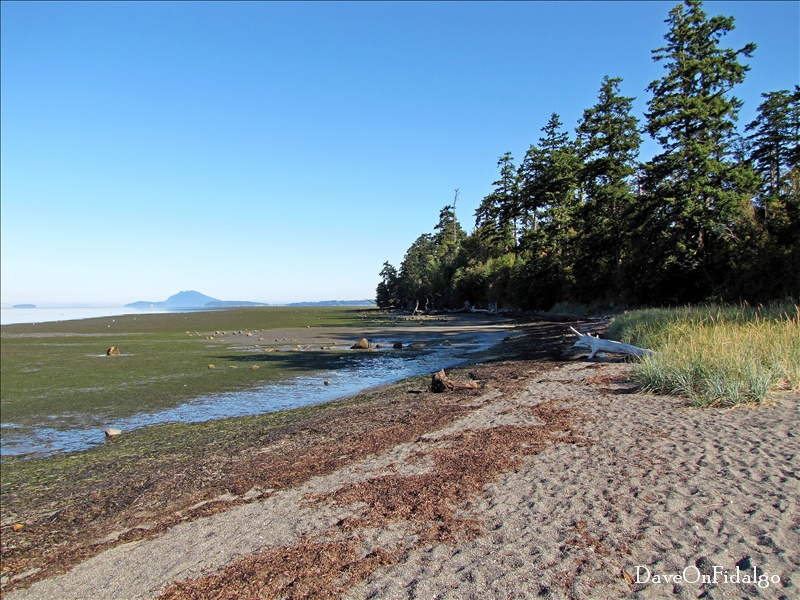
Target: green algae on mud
<point>166,445</point>
<point>58,380</point>
<point>155,477</point>
<point>60,370</point>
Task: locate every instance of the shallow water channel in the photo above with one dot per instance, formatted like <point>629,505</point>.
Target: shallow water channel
<point>369,370</point>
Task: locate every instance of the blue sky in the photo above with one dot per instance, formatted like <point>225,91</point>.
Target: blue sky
<point>282,152</point>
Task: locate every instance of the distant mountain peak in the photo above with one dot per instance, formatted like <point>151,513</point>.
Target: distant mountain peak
<point>188,299</point>
<point>192,299</point>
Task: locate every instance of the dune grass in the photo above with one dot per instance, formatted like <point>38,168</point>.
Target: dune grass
<point>716,355</point>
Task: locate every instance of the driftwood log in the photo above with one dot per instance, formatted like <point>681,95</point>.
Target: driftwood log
<point>442,383</point>
<point>597,345</point>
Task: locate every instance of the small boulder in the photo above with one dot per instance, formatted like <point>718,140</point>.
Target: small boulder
<point>398,345</point>
<point>362,344</point>
<point>110,432</point>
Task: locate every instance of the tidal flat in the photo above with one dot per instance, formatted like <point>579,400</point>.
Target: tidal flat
<point>61,388</point>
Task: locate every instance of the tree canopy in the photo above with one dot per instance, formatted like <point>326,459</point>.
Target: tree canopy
<point>714,215</point>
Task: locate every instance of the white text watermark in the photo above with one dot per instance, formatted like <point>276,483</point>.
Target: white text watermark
<point>714,575</point>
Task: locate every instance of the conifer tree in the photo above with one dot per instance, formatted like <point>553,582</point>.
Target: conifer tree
<point>448,239</point>
<point>549,181</point>
<point>775,150</point>
<point>696,193</point>
<point>714,215</point>
<point>774,268</point>
<point>449,234</point>
<point>387,294</point>
<point>549,197</point>
<point>418,273</point>
<point>609,149</point>
<point>502,208</point>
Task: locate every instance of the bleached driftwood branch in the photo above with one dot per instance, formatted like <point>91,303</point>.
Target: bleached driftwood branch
<point>595,344</point>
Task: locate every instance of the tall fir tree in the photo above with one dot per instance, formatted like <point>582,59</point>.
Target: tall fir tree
<point>388,293</point>
<point>775,150</point>
<point>773,270</point>
<point>609,149</point>
<point>502,209</point>
<point>491,250</point>
<point>549,197</point>
<point>448,237</point>
<point>418,274</point>
<point>696,193</point>
<point>549,182</point>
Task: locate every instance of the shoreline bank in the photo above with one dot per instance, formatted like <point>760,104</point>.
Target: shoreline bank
<point>555,478</point>
<point>230,373</point>
<point>208,457</point>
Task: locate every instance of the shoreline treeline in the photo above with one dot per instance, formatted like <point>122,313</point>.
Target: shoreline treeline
<point>714,215</point>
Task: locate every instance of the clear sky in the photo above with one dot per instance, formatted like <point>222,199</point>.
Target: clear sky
<point>281,152</point>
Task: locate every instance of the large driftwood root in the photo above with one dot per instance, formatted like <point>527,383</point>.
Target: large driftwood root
<point>596,345</point>
<point>442,383</point>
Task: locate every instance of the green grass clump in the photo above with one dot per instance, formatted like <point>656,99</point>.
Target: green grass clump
<point>716,355</point>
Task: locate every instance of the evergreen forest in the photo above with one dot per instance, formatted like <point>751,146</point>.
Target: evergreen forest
<point>713,216</point>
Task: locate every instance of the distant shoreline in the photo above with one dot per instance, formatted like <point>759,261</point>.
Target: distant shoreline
<point>19,315</point>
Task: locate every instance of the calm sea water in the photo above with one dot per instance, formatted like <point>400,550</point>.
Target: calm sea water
<point>9,316</point>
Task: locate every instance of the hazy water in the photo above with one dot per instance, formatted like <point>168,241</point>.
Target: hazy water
<point>48,314</point>
<point>371,370</point>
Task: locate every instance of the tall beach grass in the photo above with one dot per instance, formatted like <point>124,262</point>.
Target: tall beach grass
<point>716,355</point>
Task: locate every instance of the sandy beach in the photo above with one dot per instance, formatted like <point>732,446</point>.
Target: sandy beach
<point>556,478</point>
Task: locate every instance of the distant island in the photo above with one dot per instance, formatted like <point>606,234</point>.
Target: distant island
<point>192,299</point>
<point>24,306</point>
